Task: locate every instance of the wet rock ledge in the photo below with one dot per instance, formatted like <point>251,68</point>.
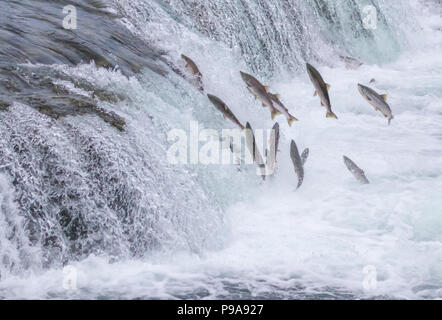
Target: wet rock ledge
<point>32,31</point>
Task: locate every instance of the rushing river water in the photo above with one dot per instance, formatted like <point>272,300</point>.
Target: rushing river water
<point>84,177</point>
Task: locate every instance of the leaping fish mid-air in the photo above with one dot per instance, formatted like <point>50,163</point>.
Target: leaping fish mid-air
<point>281,108</point>
<point>197,77</point>
<point>379,102</point>
<point>321,89</point>
<point>351,63</point>
<point>357,172</point>
<point>260,92</point>
<point>253,149</point>
<point>273,148</point>
<point>297,163</point>
<point>225,110</point>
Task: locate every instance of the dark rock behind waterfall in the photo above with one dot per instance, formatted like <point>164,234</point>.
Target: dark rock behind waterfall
<point>32,32</point>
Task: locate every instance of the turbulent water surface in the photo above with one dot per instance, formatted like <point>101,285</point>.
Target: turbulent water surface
<point>84,176</point>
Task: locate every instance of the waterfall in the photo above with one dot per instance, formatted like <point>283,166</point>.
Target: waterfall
<point>85,116</point>
<point>278,36</point>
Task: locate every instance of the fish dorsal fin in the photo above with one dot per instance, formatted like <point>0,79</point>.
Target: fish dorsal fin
<point>384,97</point>
<point>278,96</point>
<point>328,86</point>
<point>266,88</point>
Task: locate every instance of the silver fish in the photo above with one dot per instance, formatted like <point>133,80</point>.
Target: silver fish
<point>196,74</point>
<point>253,149</point>
<point>225,110</point>
<point>351,63</point>
<point>273,148</point>
<point>321,89</point>
<point>379,102</point>
<point>357,172</point>
<point>259,91</point>
<point>297,163</point>
<point>281,108</point>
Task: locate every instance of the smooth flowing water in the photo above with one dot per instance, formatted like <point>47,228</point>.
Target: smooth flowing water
<point>85,181</point>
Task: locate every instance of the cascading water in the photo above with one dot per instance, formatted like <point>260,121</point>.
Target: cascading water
<point>272,37</point>
<point>84,121</point>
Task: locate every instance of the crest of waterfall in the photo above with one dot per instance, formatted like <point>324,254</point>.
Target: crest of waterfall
<point>277,36</point>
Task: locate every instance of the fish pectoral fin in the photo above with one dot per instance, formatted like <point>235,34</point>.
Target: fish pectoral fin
<point>278,96</point>
<point>316,93</point>
<point>328,86</point>
<point>322,104</point>
<point>224,116</point>
<point>290,121</point>
<point>266,88</point>
<point>384,97</point>
<point>264,105</point>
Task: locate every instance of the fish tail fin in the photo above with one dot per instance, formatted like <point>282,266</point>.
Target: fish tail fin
<point>299,183</point>
<point>330,114</point>
<point>290,121</point>
<point>389,119</point>
<point>273,114</point>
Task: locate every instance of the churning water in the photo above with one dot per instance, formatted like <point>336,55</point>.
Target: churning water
<point>85,181</point>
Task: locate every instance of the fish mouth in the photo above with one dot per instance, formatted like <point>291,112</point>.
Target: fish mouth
<point>310,68</point>
<point>211,97</point>
<point>310,71</point>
